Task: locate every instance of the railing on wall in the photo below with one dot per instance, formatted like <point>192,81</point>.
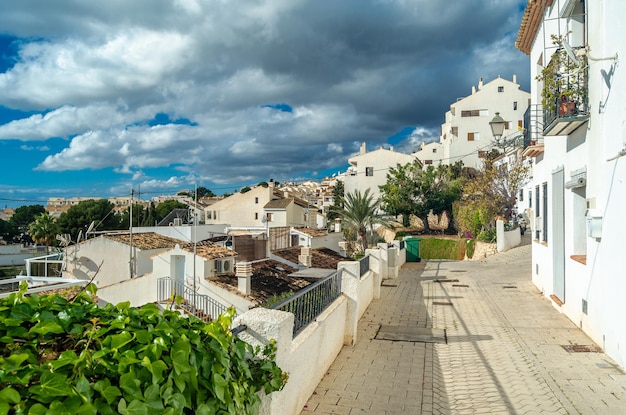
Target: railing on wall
<point>364,265</point>
<point>200,305</point>
<point>307,304</point>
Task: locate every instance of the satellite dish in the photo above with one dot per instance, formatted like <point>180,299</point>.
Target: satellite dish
<point>571,54</point>
<point>80,236</point>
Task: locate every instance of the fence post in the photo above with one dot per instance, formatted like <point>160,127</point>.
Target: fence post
<point>350,280</point>
<point>384,257</point>
<point>375,265</point>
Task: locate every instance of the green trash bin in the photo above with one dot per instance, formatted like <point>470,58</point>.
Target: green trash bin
<point>413,249</point>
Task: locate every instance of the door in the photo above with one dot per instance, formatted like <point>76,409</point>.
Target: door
<point>558,232</point>
<point>177,270</point>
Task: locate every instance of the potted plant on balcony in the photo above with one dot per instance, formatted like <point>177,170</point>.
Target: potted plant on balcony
<point>564,90</point>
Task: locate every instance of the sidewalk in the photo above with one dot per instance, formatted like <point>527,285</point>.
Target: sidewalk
<point>504,351</point>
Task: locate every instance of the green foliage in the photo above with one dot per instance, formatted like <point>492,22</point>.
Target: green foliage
<point>44,229</point>
<point>488,235</point>
<point>359,213</point>
<point>411,190</point>
<point>73,357</point>
<point>338,194</point>
<point>80,216</point>
<point>434,248</point>
<point>245,189</point>
<point>276,298</point>
<point>470,247</point>
<point>7,231</point>
<point>164,208</point>
<point>25,215</point>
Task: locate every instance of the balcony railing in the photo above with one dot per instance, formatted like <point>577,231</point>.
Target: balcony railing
<point>307,304</point>
<point>565,95</point>
<point>200,305</point>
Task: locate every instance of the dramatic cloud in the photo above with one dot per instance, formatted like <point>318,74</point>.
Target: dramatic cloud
<point>162,92</point>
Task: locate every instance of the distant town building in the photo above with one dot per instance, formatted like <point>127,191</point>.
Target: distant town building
<point>430,154</point>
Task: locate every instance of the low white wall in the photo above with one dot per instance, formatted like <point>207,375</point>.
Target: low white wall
<point>139,291</point>
<point>506,240</point>
<point>305,358</point>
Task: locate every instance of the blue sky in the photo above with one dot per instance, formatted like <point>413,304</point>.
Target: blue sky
<point>97,99</point>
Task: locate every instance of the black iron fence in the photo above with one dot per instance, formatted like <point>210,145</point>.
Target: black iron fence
<point>200,305</point>
<point>307,304</point>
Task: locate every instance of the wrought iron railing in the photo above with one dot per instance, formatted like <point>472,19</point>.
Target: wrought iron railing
<point>364,265</point>
<point>307,304</point>
<point>200,305</point>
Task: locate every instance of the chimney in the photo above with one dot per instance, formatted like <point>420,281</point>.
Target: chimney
<point>271,183</point>
<point>473,89</point>
<point>363,149</point>
<point>305,256</point>
<point>514,78</point>
<point>390,148</point>
<point>480,84</point>
<point>244,277</point>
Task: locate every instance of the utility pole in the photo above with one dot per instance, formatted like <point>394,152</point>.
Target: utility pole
<point>130,229</point>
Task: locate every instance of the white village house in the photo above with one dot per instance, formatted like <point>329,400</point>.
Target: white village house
<point>578,198</point>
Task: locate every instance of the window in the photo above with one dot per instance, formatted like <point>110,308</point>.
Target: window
<point>520,124</point>
<point>269,217</point>
<point>537,212</point>
<point>521,195</point>
<point>369,171</point>
<point>256,215</point>
<point>434,150</point>
<point>507,125</point>
<point>256,200</point>
<point>428,162</point>
<point>473,136</point>
<point>530,198</point>
<point>208,215</point>
<point>470,113</point>
<point>500,89</point>
<point>545,213</point>
<point>514,105</point>
<point>455,131</point>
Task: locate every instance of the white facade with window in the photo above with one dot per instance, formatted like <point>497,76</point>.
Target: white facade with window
<point>579,175</point>
<point>466,131</point>
<point>368,170</point>
<point>430,154</point>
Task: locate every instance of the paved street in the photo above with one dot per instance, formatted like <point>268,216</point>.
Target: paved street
<point>504,352</point>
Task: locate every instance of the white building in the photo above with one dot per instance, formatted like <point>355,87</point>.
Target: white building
<point>430,154</point>
<point>368,170</point>
<point>466,131</point>
<point>579,173</point>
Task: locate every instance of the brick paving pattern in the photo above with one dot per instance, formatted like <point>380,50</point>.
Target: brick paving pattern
<point>504,353</point>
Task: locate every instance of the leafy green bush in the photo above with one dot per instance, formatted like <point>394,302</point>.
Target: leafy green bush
<point>488,235</point>
<point>73,357</point>
<point>434,248</point>
<point>470,246</point>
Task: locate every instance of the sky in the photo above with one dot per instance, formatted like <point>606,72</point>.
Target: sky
<point>158,96</point>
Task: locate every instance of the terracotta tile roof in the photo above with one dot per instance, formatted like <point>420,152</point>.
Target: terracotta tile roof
<point>269,278</point>
<point>320,257</point>
<point>146,240</point>
<point>533,15</point>
<point>278,203</point>
<point>316,233</point>
<point>209,250</point>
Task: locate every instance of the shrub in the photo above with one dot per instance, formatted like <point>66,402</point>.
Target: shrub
<point>434,248</point>
<point>73,357</point>
<point>488,235</point>
<point>470,245</point>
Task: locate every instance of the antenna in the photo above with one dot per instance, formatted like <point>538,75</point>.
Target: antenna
<point>80,236</point>
<point>90,228</point>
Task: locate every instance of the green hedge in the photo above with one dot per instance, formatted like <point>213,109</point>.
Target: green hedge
<point>72,357</point>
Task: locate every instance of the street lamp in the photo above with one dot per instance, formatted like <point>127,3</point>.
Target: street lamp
<point>497,126</point>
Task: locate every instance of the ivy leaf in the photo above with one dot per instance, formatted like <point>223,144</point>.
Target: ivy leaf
<point>220,385</point>
<point>135,407</point>
<point>120,340</point>
<point>152,397</point>
<point>9,395</point>
<point>156,368</point>
<point>13,362</point>
<point>51,384</point>
<point>83,388</point>
<point>177,401</point>
<point>130,385</point>
<point>21,312</point>
<point>37,409</point>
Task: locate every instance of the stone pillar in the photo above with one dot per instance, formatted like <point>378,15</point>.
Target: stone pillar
<point>350,279</point>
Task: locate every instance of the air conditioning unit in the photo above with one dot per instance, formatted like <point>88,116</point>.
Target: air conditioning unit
<point>178,221</point>
<point>539,224</point>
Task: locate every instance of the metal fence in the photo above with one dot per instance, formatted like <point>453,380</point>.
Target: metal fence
<point>200,305</point>
<point>310,302</point>
<point>364,265</point>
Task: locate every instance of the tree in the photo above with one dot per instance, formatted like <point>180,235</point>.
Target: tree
<point>204,192</point>
<point>80,216</point>
<point>411,190</point>
<point>24,216</point>
<point>245,189</point>
<point>338,193</point>
<point>164,208</point>
<point>7,231</point>
<point>359,212</point>
<point>44,230</point>
<point>492,193</point>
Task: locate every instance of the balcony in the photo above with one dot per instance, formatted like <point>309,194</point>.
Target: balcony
<point>565,94</point>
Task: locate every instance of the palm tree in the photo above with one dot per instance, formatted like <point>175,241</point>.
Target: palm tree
<point>359,211</point>
<point>44,230</point>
